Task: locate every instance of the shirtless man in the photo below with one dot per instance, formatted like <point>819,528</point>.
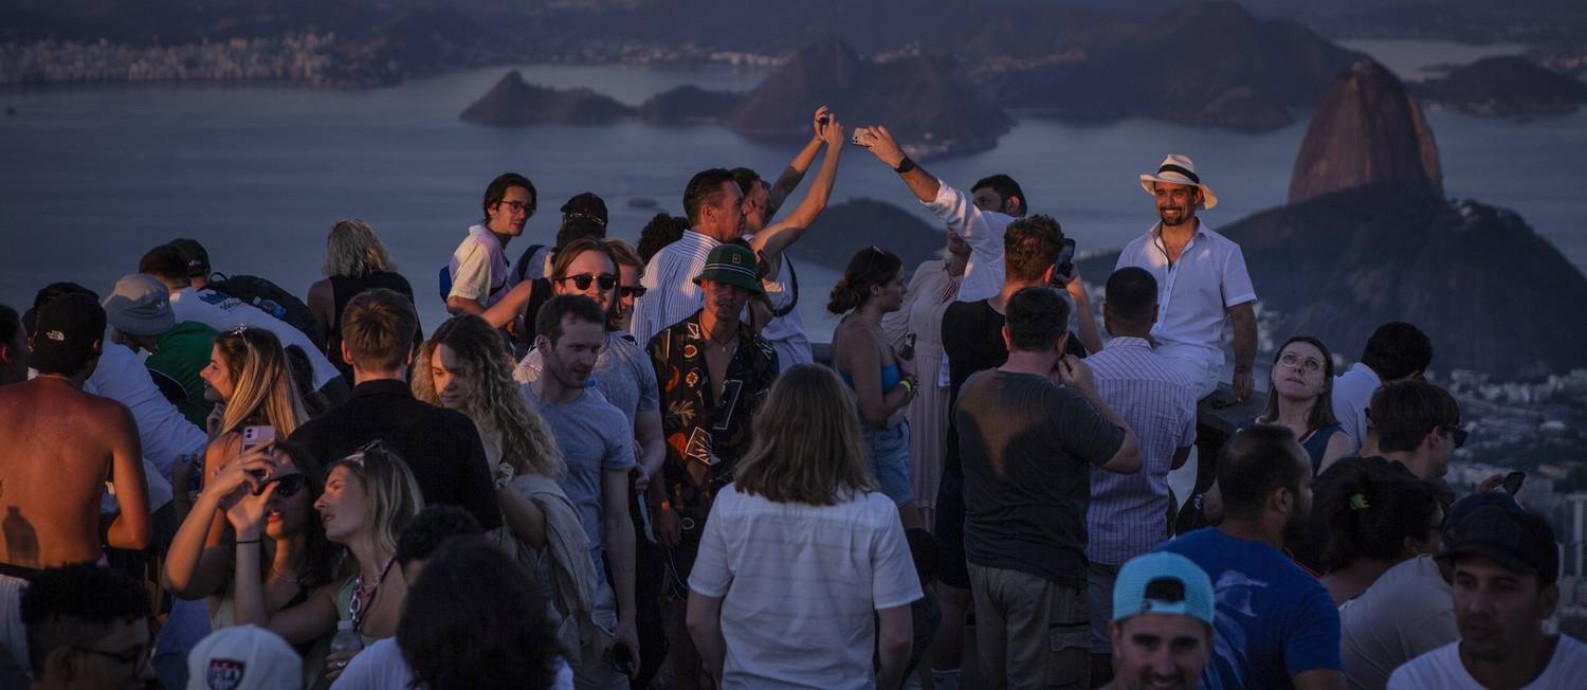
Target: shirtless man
<point>61,445</point>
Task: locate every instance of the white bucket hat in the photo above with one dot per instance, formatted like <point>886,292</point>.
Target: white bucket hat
<point>1177,169</point>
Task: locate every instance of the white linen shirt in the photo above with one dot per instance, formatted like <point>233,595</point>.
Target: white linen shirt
<point>670,293</point>
<point>983,231</point>
<point>1352,395</point>
<point>1194,293</point>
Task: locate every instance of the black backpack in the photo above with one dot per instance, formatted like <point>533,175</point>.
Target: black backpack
<point>271,298</point>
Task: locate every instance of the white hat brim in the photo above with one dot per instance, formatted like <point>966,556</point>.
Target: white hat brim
<point>1208,199</point>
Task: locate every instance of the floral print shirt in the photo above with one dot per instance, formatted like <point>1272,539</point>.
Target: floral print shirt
<point>706,436</point>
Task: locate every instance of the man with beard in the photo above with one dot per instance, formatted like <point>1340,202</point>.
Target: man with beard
<point>597,443</point>
<point>478,275</point>
<point>1505,565</point>
<point>1162,623</point>
<point>1201,279</point>
<point>1276,628</point>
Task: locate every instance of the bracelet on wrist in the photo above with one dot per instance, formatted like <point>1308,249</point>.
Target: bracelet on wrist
<point>904,166</point>
<point>240,542</point>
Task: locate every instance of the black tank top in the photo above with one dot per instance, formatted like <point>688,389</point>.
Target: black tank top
<point>343,290</point>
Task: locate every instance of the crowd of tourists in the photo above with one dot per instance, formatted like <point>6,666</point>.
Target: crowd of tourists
<point>624,467</point>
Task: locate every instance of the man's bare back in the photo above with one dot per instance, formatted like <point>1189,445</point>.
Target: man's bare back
<point>57,447</point>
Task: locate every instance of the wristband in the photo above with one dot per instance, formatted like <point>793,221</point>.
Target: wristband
<point>904,166</point>
<point>909,388</point>
<point>247,541</point>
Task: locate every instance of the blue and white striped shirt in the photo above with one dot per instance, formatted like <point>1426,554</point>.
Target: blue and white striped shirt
<point>1129,512</point>
<point>671,295</point>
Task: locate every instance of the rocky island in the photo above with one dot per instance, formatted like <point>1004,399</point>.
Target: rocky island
<point>1373,239</point>
<point>927,101</point>
<point>688,105</point>
<point>513,101</point>
<point>1207,64</point>
<point>1506,85</point>
<point>844,228</point>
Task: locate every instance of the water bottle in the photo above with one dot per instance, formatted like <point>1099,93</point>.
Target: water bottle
<point>270,307</point>
<point>346,640</point>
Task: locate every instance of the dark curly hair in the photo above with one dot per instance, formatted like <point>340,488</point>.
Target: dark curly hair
<point>74,606</point>
<point>661,231</point>
<point>476,619</point>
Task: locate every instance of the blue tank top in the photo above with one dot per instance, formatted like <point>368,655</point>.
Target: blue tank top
<point>890,378</point>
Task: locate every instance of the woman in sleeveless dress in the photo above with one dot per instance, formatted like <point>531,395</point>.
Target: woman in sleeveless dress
<point>883,382</point>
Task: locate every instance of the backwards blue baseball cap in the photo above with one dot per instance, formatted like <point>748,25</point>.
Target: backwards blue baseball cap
<point>1162,582</point>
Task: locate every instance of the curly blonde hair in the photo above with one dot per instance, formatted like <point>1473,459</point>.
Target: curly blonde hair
<point>352,249</point>
<point>493,401</point>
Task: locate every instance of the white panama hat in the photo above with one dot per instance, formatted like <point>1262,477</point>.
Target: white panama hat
<point>1177,169</point>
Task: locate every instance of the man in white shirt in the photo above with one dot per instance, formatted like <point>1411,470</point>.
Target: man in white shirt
<point>1396,351</point>
<point>1506,565</point>
<point>1201,280</point>
<point>980,218</point>
<point>479,274</point>
<point>224,313</point>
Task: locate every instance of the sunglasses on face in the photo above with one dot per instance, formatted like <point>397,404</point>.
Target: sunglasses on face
<point>289,485</point>
<point>1458,434</point>
<point>582,281</point>
<point>634,291</point>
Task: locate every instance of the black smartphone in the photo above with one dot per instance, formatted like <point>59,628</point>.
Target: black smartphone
<point>1065,264</point>
<point>907,352</point>
<point>620,661</point>
<point>1513,481</point>
<point>821,123</point>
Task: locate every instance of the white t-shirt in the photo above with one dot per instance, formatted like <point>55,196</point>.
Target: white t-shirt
<point>224,313</point>
<point>1441,669</point>
<point>381,667</point>
<point>799,585</point>
<point>479,267</point>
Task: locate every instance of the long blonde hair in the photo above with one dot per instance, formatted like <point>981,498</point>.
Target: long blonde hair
<point>393,494</point>
<point>494,402</point>
<point>352,249</point>
<point>261,380</point>
<point>807,446</point>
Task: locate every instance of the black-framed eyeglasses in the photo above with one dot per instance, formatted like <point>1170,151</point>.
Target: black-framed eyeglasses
<point>582,281</point>
<point>527,207</point>
<point>634,291</point>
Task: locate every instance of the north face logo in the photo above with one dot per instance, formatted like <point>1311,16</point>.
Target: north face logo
<point>225,674</point>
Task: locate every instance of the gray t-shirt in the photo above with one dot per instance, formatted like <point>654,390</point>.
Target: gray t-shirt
<point>1027,447</point>
<point>594,437</point>
<point>622,373</point>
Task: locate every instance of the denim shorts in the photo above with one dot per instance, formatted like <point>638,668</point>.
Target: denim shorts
<point>888,453</point>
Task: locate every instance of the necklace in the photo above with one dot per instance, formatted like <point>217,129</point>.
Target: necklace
<point>362,598</point>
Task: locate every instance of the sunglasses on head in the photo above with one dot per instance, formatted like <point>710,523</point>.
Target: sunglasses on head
<point>582,281</point>
<point>635,291</point>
